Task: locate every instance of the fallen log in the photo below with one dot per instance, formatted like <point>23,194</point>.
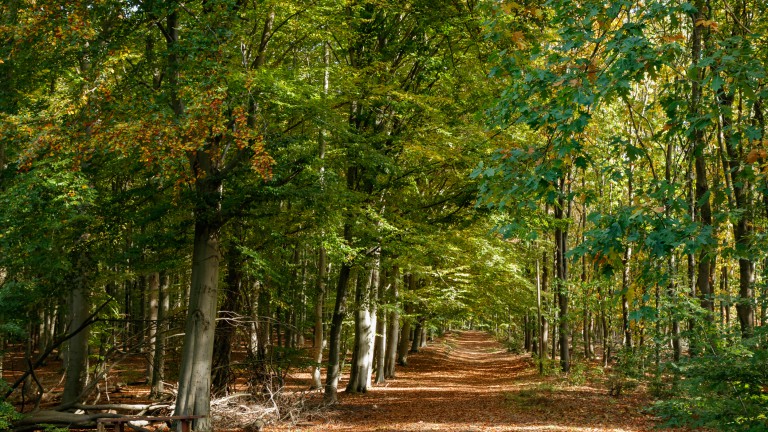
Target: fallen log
<point>122,407</point>
<point>33,420</point>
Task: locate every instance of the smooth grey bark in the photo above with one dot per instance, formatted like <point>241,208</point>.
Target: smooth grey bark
<point>380,348</point>
<point>402,350</point>
<point>252,306</point>
<point>225,327</point>
<point>77,347</point>
<point>194,393</point>
<point>561,263</point>
<point>153,303</point>
<point>544,321</point>
<point>417,334</point>
<point>157,387</point>
<point>264,313</point>
<point>540,333</point>
<point>393,326</point>
<point>365,330</point>
<point>319,340</point>
<point>334,339</point>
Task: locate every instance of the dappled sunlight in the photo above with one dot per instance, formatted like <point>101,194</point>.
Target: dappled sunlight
<point>467,382</point>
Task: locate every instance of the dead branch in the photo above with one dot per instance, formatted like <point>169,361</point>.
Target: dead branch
<point>88,321</point>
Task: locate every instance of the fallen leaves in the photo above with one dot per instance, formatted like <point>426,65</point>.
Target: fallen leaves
<point>468,382</point>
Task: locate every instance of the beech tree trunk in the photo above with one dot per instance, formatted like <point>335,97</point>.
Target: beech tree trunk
<point>416,341</point>
<point>625,277</point>
<point>225,328</point>
<point>77,347</point>
<point>319,340</point>
<point>158,359</point>
<point>405,332</point>
<point>153,303</point>
<point>194,393</point>
<point>365,331</point>
<point>380,347</point>
<point>393,327</point>
<point>334,339</point>
<point>561,266</point>
<point>544,321</point>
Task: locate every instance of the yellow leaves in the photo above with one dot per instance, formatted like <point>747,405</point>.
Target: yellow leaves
<point>677,37</point>
<point>710,24</point>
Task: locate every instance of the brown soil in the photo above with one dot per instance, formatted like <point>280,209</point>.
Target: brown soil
<point>468,382</point>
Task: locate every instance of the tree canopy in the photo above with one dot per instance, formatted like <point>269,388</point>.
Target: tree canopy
<point>564,174</point>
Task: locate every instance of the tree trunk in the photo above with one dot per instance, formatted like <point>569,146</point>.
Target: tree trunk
<point>380,349</point>
<point>625,276</point>
<point>77,348</point>
<point>416,341</point>
<point>394,325</point>
<point>544,321</point>
<point>194,392</point>
<point>405,332</point>
<point>743,230</point>
<point>561,265</point>
<point>703,207</point>
<point>319,341</point>
<point>334,340</point>
<point>223,377</point>
<point>365,329</point>
<point>263,319</point>
<point>153,296</point>
<point>158,359</point>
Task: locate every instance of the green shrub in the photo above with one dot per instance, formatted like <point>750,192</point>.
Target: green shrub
<point>577,376</point>
<point>8,415</point>
<point>724,390</point>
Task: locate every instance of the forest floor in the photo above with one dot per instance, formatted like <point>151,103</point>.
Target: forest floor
<point>465,381</point>
<point>468,382</point>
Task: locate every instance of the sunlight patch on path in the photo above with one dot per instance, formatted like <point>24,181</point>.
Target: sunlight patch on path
<point>468,384</point>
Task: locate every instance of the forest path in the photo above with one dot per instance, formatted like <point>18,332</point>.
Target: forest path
<point>468,382</point>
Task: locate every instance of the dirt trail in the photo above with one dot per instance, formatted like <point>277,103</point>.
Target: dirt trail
<point>468,382</point>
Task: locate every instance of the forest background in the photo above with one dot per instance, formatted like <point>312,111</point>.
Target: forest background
<point>586,179</point>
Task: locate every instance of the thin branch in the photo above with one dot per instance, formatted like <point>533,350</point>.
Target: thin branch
<point>39,362</point>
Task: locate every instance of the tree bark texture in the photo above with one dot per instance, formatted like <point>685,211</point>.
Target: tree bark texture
<point>561,266</point>
<point>158,359</point>
<point>319,340</point>
<point>77,349</point>
<point>334,340</point>
<point>393,326</point>
<point>365,331</point>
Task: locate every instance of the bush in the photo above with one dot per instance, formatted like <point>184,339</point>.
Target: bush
<point>577,376</point>
<point>8,415</point>
<point>725,390</point>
